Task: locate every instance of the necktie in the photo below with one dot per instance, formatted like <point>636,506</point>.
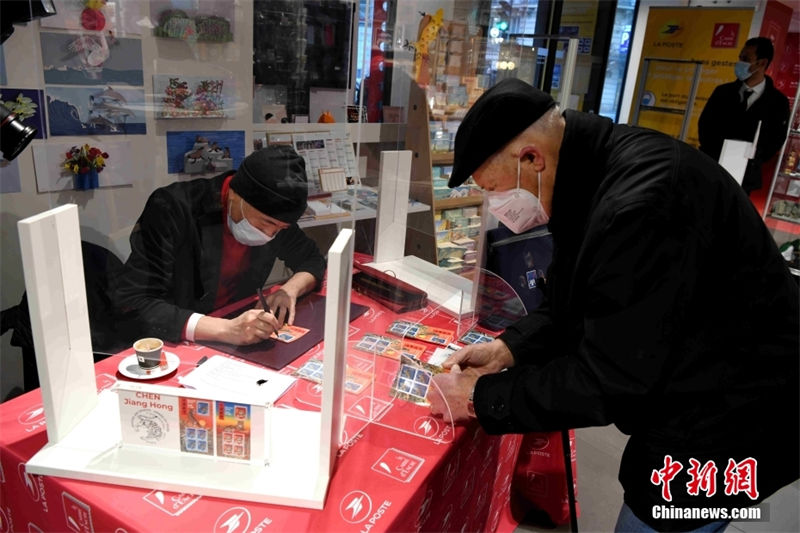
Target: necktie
<point>745,96</point>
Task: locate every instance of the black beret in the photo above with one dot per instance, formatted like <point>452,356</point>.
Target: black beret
<point>499,115</point>
<point>273,180</point>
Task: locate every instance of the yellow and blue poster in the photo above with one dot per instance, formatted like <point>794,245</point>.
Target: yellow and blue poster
<point>676,41</point>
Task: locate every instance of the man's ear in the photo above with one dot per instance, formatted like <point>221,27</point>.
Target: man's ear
<point>532,154</point>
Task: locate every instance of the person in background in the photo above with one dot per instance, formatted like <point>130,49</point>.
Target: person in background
<point>669,311</point>
<point>734,110</point>
<point>201,244</point>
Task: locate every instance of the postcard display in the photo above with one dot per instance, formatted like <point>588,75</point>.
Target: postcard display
<point>167,437</point>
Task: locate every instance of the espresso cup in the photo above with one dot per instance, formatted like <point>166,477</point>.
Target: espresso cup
<point>148,352</point>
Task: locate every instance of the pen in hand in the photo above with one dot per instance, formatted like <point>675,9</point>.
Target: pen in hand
<point>262,300</point>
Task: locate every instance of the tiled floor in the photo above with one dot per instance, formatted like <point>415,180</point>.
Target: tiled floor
<point>600,494</point>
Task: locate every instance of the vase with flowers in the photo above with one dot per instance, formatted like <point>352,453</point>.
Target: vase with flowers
<point>85,162</point>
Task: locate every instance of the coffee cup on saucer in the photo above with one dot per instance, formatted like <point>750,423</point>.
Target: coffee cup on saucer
<point>149,352</point>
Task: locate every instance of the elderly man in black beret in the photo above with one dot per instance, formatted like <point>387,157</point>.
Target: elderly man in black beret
<point>202,244</point>
<point>669,313</point>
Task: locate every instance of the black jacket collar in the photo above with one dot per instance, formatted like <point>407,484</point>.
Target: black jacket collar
<point>581,168</point>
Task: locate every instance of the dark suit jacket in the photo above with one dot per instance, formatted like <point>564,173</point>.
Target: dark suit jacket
<point>723,118</point>
<point>174,266</point>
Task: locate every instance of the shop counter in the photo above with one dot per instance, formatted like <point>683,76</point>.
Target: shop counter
<point>404,470</point>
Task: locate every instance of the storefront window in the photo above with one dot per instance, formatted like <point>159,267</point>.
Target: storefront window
<point>617,58</point>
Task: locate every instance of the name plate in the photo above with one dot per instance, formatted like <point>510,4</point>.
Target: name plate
<point>186,422</point>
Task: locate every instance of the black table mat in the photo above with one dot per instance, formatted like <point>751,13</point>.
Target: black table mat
<point>309,313</point>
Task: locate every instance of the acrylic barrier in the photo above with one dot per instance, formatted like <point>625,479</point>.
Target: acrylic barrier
<point>396,466</point>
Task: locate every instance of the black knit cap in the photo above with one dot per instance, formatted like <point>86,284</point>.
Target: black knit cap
<point>273,180</point>
<point>499,115</point>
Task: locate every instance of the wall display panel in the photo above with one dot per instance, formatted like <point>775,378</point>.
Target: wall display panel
<point>96,111</point>
<point>204,152</point>
<point>91,59</point>
<point>51,174</point>
<point>181,96</point>
<point>121,17</point>
<point>27,105</point>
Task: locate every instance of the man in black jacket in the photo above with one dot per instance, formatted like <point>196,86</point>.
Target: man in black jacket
<point>734,110</point>
<point>670,312</point>
<point>202,244</point>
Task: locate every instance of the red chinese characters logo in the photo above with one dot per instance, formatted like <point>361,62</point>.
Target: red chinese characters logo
<point>665,475</point>
<point>703,478</point>
<point>739,477</point>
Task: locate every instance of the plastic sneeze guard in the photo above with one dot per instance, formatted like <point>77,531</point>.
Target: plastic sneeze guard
<point>184,421</point>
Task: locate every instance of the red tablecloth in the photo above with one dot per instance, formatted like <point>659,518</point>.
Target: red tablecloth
<point>452,483</point>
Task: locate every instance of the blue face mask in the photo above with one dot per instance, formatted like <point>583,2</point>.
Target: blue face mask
<point>246,233</point>
<point>742,70</point>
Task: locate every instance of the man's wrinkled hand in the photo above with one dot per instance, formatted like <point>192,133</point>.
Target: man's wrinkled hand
<point>484,358</point>
<point>450,393</point>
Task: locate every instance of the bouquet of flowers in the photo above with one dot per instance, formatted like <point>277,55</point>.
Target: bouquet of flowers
<point>80,160</point>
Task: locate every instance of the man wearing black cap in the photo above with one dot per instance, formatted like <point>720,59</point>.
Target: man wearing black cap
<point>670,312</point>
<point>202,244</point>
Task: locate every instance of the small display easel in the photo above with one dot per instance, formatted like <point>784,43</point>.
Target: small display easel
<point>86,434</point>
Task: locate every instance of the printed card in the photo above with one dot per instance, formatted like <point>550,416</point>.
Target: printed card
<point>149,419</point>
<point>289,333</point>
<point>413,380</point>
<point>233,430</point>
<point>440,355</point>
<point>311,370</point>
<point>474,336</point>
<point>390,347</point>
<point>422,332</point>
<point>355,380</point>
<point>196,425</point>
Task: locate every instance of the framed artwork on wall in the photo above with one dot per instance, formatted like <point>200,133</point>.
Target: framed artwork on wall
<point>179,96</point>
<point>95,111</point>
<point>204,152</point>
<point>27,105</point>
<point>91,59</point>
<point>197,21</point>
<point>53,175</point>
<point>121,18</point>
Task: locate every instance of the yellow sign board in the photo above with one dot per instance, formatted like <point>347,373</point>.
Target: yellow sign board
<point>676,41</point>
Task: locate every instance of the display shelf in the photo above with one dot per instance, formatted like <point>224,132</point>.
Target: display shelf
<point>446,84</point>
<point>782,207</point>
<point>451,203</point>
<point>363,132</point>
<point>442,158</point>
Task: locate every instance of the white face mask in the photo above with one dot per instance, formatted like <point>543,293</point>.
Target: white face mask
<point>519,209</point>
<point>244,232</point>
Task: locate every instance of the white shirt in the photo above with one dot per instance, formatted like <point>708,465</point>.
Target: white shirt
<point>758,90</point>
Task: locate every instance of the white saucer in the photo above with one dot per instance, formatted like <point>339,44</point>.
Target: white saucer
<point>130,368</point>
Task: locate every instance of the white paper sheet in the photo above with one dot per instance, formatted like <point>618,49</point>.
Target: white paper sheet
<point>221,375</point>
